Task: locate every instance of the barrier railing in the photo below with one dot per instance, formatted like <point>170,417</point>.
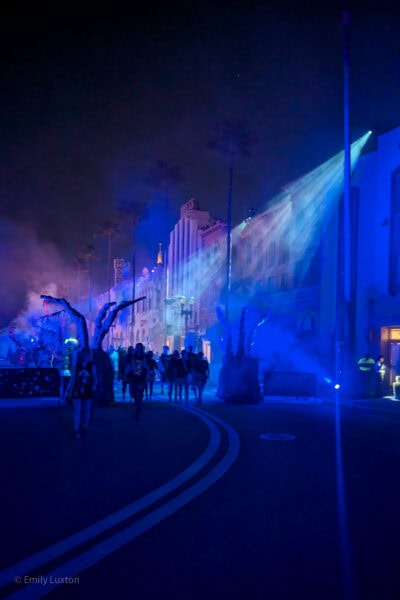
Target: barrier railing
<point>280,383</point>
<point>29,383</point>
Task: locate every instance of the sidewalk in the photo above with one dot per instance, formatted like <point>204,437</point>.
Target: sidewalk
<point>209,395</point>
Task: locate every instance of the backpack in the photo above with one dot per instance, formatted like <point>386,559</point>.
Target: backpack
<point>84,383</point>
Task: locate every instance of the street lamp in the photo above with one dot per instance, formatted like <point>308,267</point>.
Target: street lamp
<point>186,312</point>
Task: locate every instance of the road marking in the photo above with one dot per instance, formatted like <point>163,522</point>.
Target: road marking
<point>69,543</point>
<point>90,557</point>
<point>280,437</point>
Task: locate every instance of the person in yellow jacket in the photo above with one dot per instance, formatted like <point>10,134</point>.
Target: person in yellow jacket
<point>366,366</point>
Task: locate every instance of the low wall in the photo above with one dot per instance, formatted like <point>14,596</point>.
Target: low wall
<point>29,383</point>
<point>284,383</point>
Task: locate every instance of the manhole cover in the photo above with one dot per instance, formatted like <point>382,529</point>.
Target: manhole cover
<point>283,437</point>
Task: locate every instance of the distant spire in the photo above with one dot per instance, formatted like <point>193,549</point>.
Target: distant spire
<point>159,255</point>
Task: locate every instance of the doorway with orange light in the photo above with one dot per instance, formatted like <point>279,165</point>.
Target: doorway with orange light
<point>390,339</point>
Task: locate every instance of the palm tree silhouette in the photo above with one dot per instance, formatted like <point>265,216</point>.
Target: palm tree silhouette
<point>86,255</point>
<point>134,211</point>
<point>110,229</point>
<point>164,177</point>
<point>231,139</point>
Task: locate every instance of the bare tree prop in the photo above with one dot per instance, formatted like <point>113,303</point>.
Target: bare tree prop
<point>106,318</point>
<point>76,317</point>
<point>238,377</point>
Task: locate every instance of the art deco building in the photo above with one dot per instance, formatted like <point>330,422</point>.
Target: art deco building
<point>285,262</point>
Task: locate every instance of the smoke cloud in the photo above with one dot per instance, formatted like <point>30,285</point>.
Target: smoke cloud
<point>29,268</point>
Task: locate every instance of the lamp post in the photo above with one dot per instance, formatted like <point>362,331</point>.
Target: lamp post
<point>186,312</point>
<point>229,239</point>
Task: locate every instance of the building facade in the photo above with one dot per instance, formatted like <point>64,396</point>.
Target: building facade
<point>285,263</point>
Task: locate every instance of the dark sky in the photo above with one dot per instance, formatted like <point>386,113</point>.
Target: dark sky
<point>92,97</point>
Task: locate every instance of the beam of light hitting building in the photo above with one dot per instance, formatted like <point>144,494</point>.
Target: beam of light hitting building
<point>296,222</point>
<point>205,268</point>
<point>299,217</point>
<point>315,197</point>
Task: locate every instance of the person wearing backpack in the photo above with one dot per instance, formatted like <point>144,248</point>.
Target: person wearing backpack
<point>83,385</point>
<point>136,375</point>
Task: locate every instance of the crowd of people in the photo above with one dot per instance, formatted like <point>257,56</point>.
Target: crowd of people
<point>178,373</point>
<point>136,371</point>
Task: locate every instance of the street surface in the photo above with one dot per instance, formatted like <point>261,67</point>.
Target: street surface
<point>231,501</point>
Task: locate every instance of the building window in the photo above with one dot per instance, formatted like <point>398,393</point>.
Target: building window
<point>283,252</point>
<point>284,281</point>
<point>272,253</point>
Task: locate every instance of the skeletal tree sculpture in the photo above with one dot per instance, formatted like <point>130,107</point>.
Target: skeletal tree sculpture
<point>105,319</point>
<point>103,322</point>
<point>105,389</point>
<point>238,377</point>
<point>76,317</point>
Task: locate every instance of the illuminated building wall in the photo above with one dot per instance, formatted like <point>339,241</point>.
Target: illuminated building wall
<point>287,256</point>
<point>183,278</point>
<point>378,267</point>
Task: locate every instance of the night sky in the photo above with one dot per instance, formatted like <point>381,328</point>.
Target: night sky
<point>92,97</point>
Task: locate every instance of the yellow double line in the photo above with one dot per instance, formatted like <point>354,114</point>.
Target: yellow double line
<point>73,567</point>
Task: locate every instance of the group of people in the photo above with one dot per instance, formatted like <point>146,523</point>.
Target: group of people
<point>178,373</point>
<point>136,370</point>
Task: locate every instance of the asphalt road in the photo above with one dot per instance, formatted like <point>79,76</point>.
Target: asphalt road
<point>227,502</point>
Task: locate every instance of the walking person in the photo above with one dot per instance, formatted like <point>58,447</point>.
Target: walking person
<point>191,359</point>
<point>126,371</point>
<point>121,368</point>
<point>380,370</point>
<point>163,363</point>
<point>176,374</point>
<point>201,374</point>
<point>114,357</point>
<point>186,375</point>
<point>136,376</point>
<point>83,384</point>
<point>151,374</point>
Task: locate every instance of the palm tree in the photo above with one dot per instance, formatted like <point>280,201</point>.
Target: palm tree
<point>231,139</point>
<point>85,257</point>
<point>164,177</point>
<point>110,229</point>
<point>135,211</point>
